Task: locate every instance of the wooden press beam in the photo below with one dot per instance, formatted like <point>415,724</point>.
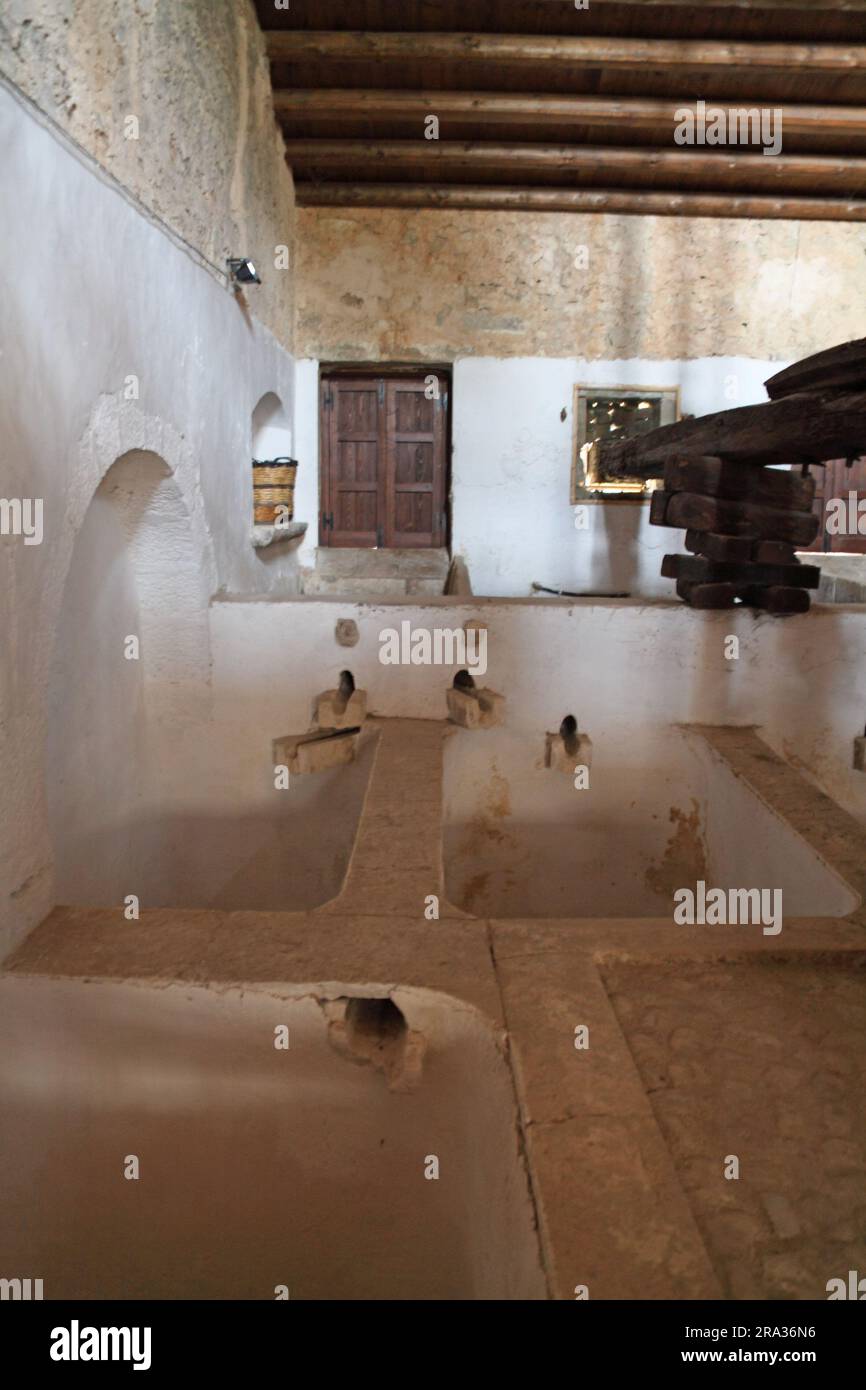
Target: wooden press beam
<point>806,428</point>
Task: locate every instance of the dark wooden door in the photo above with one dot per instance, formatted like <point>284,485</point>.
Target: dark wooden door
<point>352,479</point>
<point>836,480</point>
<point>383,461</point>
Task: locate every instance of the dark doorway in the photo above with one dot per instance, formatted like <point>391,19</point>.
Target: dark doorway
<point>384,458</point>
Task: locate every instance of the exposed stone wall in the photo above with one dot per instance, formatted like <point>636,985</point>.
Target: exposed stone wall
<point>434,285</point>
<point>208,160</point>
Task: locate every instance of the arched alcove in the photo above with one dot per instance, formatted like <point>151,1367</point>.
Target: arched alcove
<point>273,473</point>
<point>271,431</point>
<point>131,654</point>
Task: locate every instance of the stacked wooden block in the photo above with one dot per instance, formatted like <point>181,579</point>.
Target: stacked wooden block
<point>744,518</point>
<point>743,524</point>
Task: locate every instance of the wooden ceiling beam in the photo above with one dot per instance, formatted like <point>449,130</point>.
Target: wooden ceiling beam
<point>538,109</point>
<point>646,202</point>
<point>810,172</point>
<point>305,46</point>
<point>834,5</point>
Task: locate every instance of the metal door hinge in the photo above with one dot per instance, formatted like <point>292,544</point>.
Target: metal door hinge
<point>381,393</point>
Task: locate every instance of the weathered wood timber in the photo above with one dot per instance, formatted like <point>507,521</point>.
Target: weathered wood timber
<point>718,547</point>
<point>774,553</point>
<point>777,599</point>
<point>809,427</point>
<point>707,595</point>
<point>739,481</point>
<point>693,512</point>
<point>837,368</point>
<point>700,570</point>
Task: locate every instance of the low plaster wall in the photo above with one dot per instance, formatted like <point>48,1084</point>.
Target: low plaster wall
<point>626,671</point>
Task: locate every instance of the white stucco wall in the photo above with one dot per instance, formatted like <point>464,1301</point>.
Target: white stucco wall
<point>511,469</point>
<point>100,304</point>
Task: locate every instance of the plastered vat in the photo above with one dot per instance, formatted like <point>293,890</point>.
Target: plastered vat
<point>659,813</point>
<point>258,1167</point>
<point>147,792</point>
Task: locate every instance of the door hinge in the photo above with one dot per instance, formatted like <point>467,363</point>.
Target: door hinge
<point>381,393</point>
<point>328,401</point>
<point>327,521</point>
<point>380,537</point>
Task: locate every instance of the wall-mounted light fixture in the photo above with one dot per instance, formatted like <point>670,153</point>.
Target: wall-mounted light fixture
<point>242,272</point>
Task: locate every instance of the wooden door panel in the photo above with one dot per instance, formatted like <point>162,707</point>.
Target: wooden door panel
<point>415,486</point>
<point>414,412</point>
<point>352,476</point>
<point>355,514</point>
<point>356,407</point>
<point>413,462</point>
<point>414,515</point>
<point>357,463</point>
<point>383,462</point>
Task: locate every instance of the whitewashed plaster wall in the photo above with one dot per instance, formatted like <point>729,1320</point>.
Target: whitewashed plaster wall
<point>626,671</point>
<point>115,339</point>
<point>513,441</point>
<point>512,447</point>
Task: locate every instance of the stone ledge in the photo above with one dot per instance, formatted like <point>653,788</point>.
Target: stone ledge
<point>270,535</point>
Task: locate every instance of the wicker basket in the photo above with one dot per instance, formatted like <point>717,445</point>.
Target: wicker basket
<point>273,490</point>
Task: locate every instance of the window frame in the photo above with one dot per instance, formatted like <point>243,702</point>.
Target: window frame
<point>625,490</point>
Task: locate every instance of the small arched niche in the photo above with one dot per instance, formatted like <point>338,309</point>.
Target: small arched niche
<point>273,474</point>
<point>271,431</point>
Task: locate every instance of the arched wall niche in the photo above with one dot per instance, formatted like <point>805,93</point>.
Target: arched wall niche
<point>271,429</point>
<point>131,660</point>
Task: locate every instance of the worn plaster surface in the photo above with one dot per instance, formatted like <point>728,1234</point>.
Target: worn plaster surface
<point>435,285</point>
<point>174,101</point>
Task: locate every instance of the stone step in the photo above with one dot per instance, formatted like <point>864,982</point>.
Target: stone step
<point>366,563</point>
<point>368,587</point>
